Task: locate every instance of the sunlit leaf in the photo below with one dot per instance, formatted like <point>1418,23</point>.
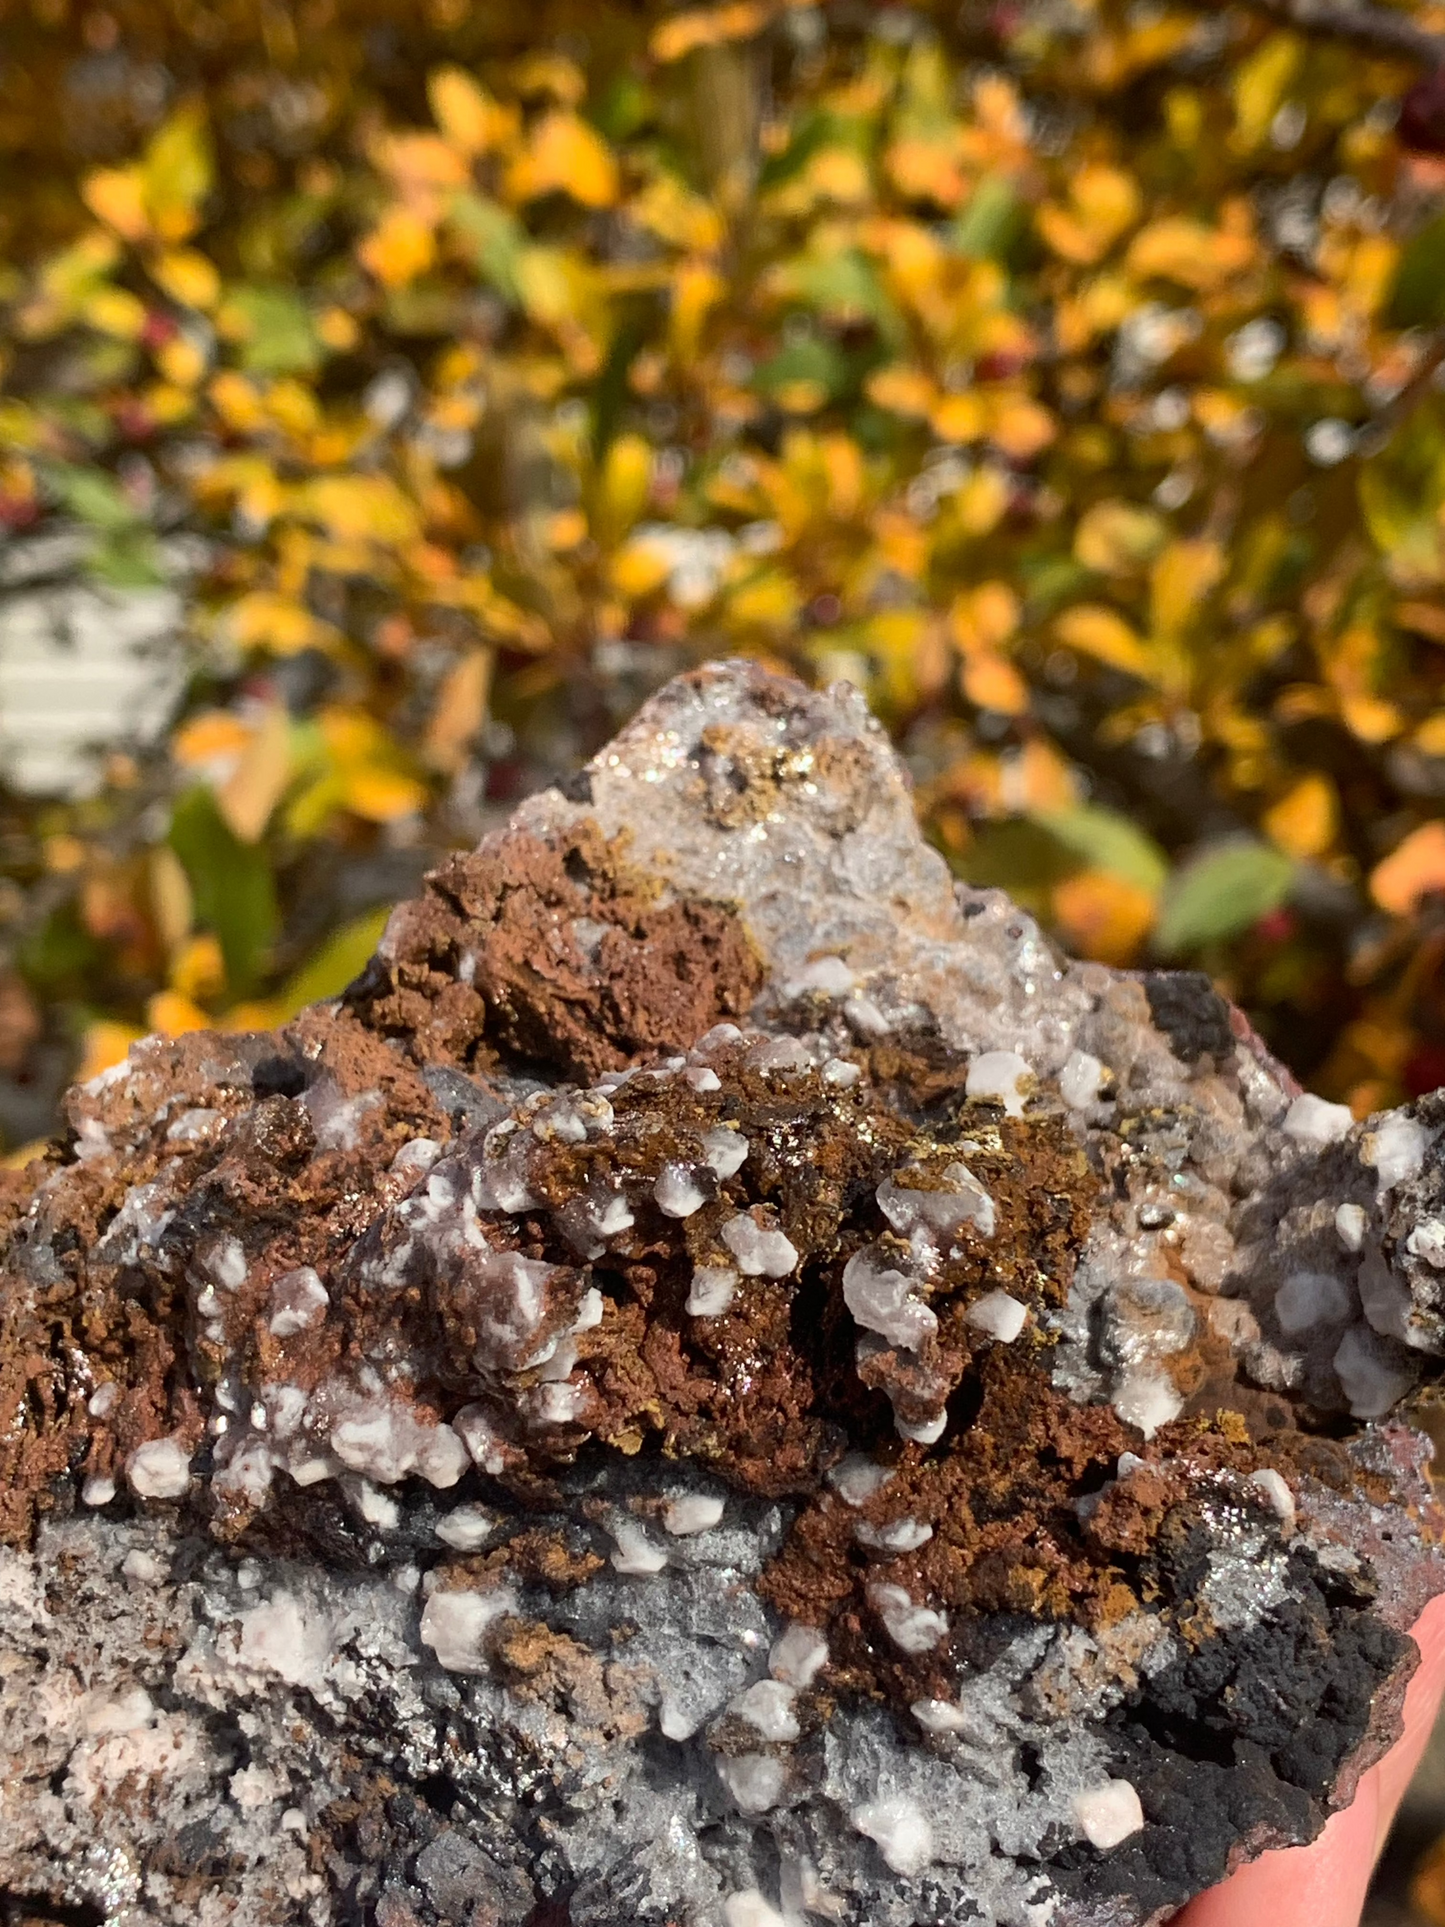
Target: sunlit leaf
<point>1111,843</point>
<point>1411,871</point>
<point>1220,893</point>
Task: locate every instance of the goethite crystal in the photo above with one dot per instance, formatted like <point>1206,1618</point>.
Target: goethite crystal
<point>721,1383</point>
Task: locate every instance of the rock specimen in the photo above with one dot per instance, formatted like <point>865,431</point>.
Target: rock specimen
<point>721,1383</point>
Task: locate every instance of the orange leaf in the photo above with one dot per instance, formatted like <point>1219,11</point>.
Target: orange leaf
<point>116,195</point>
<point>904,390</point>
<point>992,682</point>
<point>173,1015</point>
<point>468,116</point>
<point>399,248</point>
<point>1303,822</point>
<point>254,787</point>
<point>682,33</point>
<point>1098,632</point>
<point>461,709</point>
<point>1412,871</point>
<point>1103,916</point>
<point>565,156</point>
<point>106,1044</point>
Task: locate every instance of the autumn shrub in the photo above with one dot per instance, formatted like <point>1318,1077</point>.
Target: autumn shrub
<point>1064,375</point>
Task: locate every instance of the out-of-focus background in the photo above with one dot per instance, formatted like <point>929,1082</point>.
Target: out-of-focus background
<point>393,392</point>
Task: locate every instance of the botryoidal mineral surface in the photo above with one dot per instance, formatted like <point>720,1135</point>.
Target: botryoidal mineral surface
<point>721,1383</point>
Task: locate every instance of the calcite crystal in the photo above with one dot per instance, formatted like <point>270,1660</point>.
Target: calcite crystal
<point>721,1383</point>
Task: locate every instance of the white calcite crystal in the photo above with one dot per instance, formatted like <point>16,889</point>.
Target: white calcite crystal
<point>160,1469</point>
<point>716,1382</point>
<point>760,1251</point>
<point>998,1315</point>
<point>1108,1813</point>
<point>456,1625</point>
<point>901,1831</point>
<point>1313,1121</point>
<point>712,1291</point>
<point>1001,1077</point>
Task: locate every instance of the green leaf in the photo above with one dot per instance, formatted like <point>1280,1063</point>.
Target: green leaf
<point>93,496</point>
<point>495,238</point>
<point>991,222</point>
<point>280,338</point>
<point>1417,299</point>
<point>1104,840</point>
<point>326,974</point>
<point>1019,856</point>
<point>1221,893</point>
<point>806,360</point>
<point>231,885</point>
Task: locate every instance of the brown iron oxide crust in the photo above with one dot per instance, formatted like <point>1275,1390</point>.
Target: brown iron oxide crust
<point>231,1136</point>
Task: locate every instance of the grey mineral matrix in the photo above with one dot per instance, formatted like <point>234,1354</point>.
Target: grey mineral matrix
<point>721,1383</point>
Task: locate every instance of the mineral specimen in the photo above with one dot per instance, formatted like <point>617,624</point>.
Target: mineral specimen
<point>721,1383</point>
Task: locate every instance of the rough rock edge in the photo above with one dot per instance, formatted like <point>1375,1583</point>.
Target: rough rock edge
<point>732,751</point>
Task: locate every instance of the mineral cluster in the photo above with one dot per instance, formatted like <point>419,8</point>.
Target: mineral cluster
<point>722,1383</point>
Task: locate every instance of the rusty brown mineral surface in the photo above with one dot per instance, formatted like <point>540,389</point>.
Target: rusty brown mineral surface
<point>721,1383</point>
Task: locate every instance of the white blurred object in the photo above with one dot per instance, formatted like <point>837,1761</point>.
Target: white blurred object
<point>84,670</point>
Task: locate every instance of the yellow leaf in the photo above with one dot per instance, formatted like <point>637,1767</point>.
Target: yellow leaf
<point>1412,871</point>
<point>465,112</point>
<point>840,174</point>
<point>265,620</point>
<point>356,508</point>
<point>254,788</point>
<point>115,311</point>
<point>1177,249</point>
<point>983,618</point>
<point>980,505</point>
<point>622,488</point>
<point>769,601</point>
<point>198,969</point>
<point>1020,426</point>
<point>1370,719</point>
<point>236,401</point>
<point>383,795</point>
<point>1103,202</point>
<point>214,741</point>
<point>172,1015</point>
<point>188,277</point>
<point>181,361</point>
<point>399,248</point>
<point>904,390</point>
<point>565,529</point>
<point>1303,821</point>
<point>1119,538</point>
<point>337,329</point>
<point>460,710</point>
<point>169,891</point>
<point>1430,736</point>
<point>116,195</point>
<point>106,1044</point>
<point>639,568</point>
<point>669,210</point>
<point>1103,916</point>
<point>683,33</point>
<point>1180,580</point>
<point>565,156</point>
<point>177,170</point>
<point>958,418</point>
<point>696,290</point>
<point>1099,632</point>
<point>992,682</point>
<point>1259,88</point>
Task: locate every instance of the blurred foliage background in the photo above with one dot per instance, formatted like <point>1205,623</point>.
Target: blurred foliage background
<point>1066,373</point>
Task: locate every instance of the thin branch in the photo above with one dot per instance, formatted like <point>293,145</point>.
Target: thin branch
<point>1380,29</point>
